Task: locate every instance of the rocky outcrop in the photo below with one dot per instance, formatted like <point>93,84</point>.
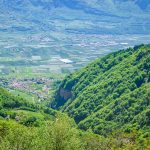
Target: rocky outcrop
<point>65,94</point>
<point>61,97</point>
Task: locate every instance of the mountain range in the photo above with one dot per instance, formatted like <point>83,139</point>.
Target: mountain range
<point>96,16</point>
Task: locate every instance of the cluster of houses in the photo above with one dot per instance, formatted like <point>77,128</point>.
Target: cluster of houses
<point>39,87</point>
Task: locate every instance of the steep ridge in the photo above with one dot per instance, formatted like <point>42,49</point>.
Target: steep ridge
<point>111,93</point>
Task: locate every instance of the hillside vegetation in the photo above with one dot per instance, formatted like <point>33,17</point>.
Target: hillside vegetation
<point>23,111</point>
<point>26,126</point>
<point>108,99</point>
<point>112,93</point>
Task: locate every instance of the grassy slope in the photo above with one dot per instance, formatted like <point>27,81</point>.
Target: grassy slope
<point>110,93</point>
<point>24,111</point>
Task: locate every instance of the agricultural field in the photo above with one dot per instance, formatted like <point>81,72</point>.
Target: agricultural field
<point>33,64</point>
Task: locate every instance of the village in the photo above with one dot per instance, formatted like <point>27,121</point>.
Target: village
<point>38,88</point>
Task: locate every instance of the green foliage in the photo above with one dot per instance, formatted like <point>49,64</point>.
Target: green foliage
<point>109,97</point>
<point>10,101</point>
<point>24,111</point>
<point>62,134</point>
<point>111,93</point>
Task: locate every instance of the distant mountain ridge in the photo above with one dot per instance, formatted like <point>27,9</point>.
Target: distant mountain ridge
<point>143,4</point>
<point>134,14</point>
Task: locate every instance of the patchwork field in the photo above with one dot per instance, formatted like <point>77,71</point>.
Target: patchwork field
<point>33,64</point>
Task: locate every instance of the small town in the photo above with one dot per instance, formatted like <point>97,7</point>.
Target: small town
<point>38,88</point>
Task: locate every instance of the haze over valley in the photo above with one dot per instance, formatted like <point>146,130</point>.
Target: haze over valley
<point>43,39</point>
<point>74,74</point>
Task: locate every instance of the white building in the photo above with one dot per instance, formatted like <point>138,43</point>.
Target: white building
<point>66,61</point>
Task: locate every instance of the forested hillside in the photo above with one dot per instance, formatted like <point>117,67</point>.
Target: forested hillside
<point>109,97</point>
<point>112,93</point>
<point>27,126</point>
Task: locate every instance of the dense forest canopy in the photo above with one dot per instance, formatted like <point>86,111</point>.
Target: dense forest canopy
<point>112,93</point>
